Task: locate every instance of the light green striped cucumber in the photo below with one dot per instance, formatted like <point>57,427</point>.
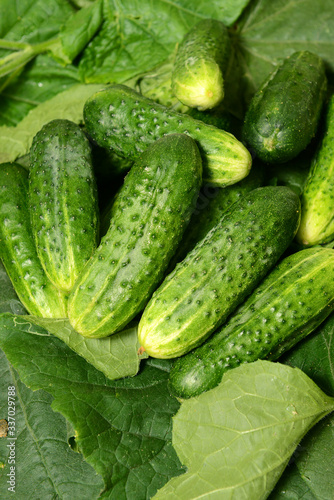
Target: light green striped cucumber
<point>288,304</point>
<point>148,219</point>
<point>200,64</point>
<point>121,119</point>
<point>63,201</point>
<point>222,269</point>
<point>17,247</point>
<point>317,220</point>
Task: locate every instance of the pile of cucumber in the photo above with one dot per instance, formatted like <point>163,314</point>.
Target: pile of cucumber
<point>218,264</point>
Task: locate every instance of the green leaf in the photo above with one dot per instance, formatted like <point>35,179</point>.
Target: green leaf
<point>237,439</point>
<point>138,35</point>
<point>291,486</point>
<point>41,80</point>
<point>77,32</point>
<point>115,356</point>
<point>45,465</point>
<point>122,428</point>
<point>16,141</point>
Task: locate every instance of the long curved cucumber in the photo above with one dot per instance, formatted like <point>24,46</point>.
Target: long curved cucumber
<point>63,201</point>
<point>121,119</point>
<point>17,247</point>
<point>148,218</point>
<point>317,220</point>
<point>222,269</point>
<point>288,305</point>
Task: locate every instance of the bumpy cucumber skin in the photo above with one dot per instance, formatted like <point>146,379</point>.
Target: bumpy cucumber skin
<point>149,216</point>
<point>121,119</point>
<point>211,204</point>
<point>288,305</point>
<point>200,63</point>
<point>222,269</point>
<point>63,201</point>
<point>17,247</point>
<point>317,219</point>
<point>284,113</point>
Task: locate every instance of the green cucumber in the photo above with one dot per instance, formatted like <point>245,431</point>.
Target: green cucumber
<point>211,204</point>
<point>148,219</point>
<point>317,219</point>
<point>288,305</point>
<point>222,269</point>
<point>284,113</point>
<point>200,63</point>
<point>17,247</point>
<point>120,119</point>
<point>63,201</point>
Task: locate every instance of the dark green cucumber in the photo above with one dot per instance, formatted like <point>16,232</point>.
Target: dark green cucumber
<point>288,305</point>
<point>211,204</point>
<point>63,201</point>
<point>148,219</point>
<point>284,113</point>
<point>200,64</point>
<point>120,119</point>
<point>222,269</point>
<point>17,247</point>
<point>317,220</point>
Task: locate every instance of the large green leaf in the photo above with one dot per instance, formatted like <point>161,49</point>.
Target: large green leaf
<point>139,34</point>
<point>37,446</point>
<point>237,439</point>
<point>122,428</point>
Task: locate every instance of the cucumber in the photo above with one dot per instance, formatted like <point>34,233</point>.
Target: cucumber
<point>120,119</point>
<point>211,204</point>
<point>284,113</point>
<point>149,216</point>
<point>222,269</point>
<point>17,247</point>
<point>317,219</point>
<point>218,118</point>
<point>287,306</point>
<point>200,63</point>
<point>63,201</point>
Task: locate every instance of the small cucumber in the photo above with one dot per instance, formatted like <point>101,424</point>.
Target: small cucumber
<point>148,219</point>
<point>17,247</point>
<point>317,219</point>
<point>222,269</point>
<point>200,64</point>
<point>283,115</point>
<point>288,305</point>
<point>120,119</point>
<point>62,201</point>
<point>211,204</point>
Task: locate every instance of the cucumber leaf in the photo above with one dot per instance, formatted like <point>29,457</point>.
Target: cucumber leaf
<point>16,141</point>
<point>45,465</point>
<point>237,439</point>
<point>122,427</point>
<point>115,356</point>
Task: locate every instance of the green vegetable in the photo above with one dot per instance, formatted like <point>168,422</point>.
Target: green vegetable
<point>288,305</point>
<point>219,272</point>
<point>237,439</point>
<point>277,128</point>
<point>200,64</point>
<point>63,201</point>
<point>120,119</point>
<point>317,220</point>
<point>17,248</point>
<point>148,219</point>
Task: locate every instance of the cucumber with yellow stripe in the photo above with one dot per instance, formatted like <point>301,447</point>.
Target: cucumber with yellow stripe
<point>148,218</point>
<point>17,247</point>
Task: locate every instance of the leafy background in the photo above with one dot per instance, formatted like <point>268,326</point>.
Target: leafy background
<point>82,426</point>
